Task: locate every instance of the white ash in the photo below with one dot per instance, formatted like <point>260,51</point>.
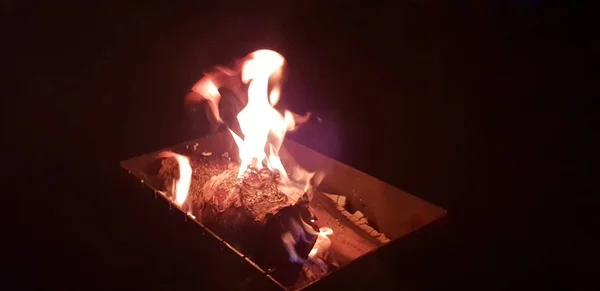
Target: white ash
<point>293,193</point>
<point>345,213</point>
<point>383,239</point>
<point>341,201</point>
<point>358,215</point>
<point>337,199</point>
<point>358,218</point>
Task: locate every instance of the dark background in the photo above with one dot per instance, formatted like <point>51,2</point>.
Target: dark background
<point>479,108</point>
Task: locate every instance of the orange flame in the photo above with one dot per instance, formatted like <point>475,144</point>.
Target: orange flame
<point>182,185</point>
<point>323,242</point>
<point>299,232</point>
<point>258,119</point>
<point>208,90</point>
<point>263,127</point>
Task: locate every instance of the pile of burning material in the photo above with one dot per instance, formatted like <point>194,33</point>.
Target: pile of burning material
<point>246,188</point>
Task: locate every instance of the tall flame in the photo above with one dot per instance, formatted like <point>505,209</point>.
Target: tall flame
<point>259,118</point>
<point>263,127</point>
<point>182,185</point>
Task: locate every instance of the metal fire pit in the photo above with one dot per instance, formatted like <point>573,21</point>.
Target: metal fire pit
<point>391,211</point>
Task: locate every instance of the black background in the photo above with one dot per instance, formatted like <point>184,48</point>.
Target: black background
<point>479,108</point>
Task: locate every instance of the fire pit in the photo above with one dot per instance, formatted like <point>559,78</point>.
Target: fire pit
<point>290,212</point>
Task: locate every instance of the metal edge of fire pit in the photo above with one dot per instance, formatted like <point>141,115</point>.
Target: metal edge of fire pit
<point>210,232</point>
<point>218,238</point>
<point>213,143</point>
<point>415,213</point>
<point>395,212</point>
<point>355,269</point>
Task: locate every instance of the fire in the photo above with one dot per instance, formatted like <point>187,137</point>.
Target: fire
<point>262,126</point>
<point>263,129</point>
<point>298,232</point>
<point>259,118</point>
<point>323,242</point>
<point>181,187</point>
<point>207,88</point>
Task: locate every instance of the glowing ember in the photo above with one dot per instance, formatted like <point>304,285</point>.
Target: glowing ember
<point>181,187</point>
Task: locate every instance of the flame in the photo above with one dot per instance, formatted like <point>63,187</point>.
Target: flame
<point>262,126</point>
<point>259,119</point>
<point>299,231</point>
<point>291,237</point>
<point>208,90</point>
<point>323,242</point>
<point>182,185</point>
<point>263,129</point>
